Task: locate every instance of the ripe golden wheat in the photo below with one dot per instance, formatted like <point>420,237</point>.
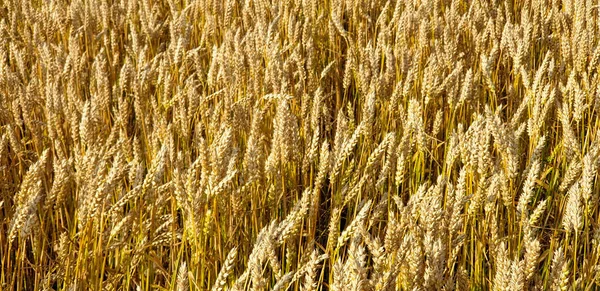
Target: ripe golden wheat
<point>299,145</point>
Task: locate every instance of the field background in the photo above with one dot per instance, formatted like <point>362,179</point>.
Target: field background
<point>299,145</point>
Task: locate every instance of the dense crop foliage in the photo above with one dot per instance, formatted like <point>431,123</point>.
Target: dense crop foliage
<point>299,145</point>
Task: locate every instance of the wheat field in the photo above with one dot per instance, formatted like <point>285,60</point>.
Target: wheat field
<point>299,145</point>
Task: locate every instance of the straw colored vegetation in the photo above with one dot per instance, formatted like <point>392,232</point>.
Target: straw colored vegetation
<point>299,145</point>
